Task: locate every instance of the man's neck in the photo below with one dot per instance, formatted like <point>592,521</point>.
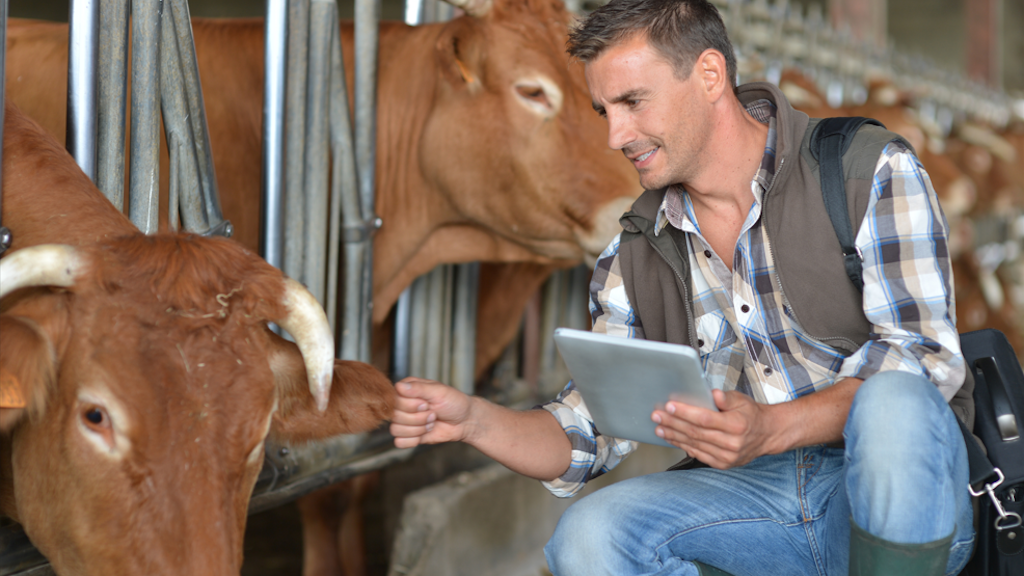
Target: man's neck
<point>733,155</point>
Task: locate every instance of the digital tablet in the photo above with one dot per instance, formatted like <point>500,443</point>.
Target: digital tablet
<point>622,380</point>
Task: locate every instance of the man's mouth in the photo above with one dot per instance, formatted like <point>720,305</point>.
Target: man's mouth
<point>645,155</point>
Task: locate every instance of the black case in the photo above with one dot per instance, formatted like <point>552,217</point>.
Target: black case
<point>998,393</point>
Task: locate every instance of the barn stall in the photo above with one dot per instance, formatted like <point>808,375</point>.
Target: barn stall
<point>969,133</point>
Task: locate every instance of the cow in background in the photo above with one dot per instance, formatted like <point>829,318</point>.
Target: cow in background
<point>141,381</point>
<point>487,145</point>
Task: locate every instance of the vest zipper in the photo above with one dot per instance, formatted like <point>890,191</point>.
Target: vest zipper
<point>778,273</point>
<point>691,331</point>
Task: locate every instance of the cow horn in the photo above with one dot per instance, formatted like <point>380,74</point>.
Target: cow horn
<point>475,8</point>
<point>308,325</point>
<point>42,265</point>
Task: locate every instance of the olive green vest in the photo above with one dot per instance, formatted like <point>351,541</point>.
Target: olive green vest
<point>808,259</point>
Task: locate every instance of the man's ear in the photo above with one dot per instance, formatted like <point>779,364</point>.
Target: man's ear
<point>28,370</point>
<point>361,399</point>
<point>712,73</point>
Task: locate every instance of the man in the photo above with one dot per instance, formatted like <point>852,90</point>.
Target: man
<point>835,450</point>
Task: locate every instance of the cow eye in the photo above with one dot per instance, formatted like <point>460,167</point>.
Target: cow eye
<point>534,94</point>
<point>94,416</point>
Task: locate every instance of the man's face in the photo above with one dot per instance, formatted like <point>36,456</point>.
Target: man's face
<point>659,121</point>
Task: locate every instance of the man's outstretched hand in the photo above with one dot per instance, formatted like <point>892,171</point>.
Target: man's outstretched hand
<point>428,412</point>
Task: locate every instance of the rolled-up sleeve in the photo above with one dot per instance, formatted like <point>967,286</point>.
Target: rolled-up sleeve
<point>908,281</point>
<point>593,453</point>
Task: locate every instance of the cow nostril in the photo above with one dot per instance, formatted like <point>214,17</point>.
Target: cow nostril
<point>95,416</point>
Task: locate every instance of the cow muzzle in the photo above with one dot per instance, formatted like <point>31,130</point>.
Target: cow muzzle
<point>61,265</point>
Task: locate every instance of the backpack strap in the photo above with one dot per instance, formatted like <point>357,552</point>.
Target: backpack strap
<point>829,142</point>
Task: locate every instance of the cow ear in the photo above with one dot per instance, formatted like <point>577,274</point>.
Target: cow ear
<point>361,399</point>
<point>28,370</point>
<point>460,54</point>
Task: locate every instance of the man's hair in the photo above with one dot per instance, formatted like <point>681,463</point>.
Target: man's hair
<point>679,30</point>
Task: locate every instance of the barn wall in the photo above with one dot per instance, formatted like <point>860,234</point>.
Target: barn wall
<point>932,28</point>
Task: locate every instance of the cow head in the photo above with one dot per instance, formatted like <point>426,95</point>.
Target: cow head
<point>148,383</point>
<point>552,182</point>
<point>510,144</point>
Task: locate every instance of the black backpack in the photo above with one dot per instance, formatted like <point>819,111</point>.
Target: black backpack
<point>998,389</point>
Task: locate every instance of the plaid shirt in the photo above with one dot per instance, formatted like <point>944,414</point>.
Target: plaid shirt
<point>764,353</point>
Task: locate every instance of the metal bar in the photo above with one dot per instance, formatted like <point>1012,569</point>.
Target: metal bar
<point>343,183</point>
<point>295,136</point>
<point>144,178</point>
<point>367,19</point>
<point>467,283</point>
<point>173,196</point>
<point>199,144</point>
<point>323,28</point>
<point>418,345</point>
<point>401,350</point>
<point>551,305</point>
<point>83,52</point>
<point>184,170</point>
<point>5,234</point>
<point>345,194</point>
<point>414,11</point>
<point>272,184</point>
<point>579,298</point>
<point>432,326</point>
<point>447,311</point>
<point>112,99</point>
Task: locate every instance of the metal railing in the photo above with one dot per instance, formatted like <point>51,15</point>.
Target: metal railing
<point>164,77</point>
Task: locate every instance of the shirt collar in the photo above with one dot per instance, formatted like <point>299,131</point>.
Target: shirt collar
<point>673,209</point>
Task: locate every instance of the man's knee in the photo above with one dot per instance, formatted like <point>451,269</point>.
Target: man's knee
<point>581,538</point>
<point>897,405</point>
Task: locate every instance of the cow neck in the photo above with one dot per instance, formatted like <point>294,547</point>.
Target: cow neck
<point>412,208</point>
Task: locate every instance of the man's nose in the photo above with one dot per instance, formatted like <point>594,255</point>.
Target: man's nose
<point>620,132</point>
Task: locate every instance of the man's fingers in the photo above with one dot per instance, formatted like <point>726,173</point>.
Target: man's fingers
<point>413,418</point>
<point>409,431</point>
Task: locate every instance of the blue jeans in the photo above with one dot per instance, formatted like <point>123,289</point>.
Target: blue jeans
<point>902,477</point>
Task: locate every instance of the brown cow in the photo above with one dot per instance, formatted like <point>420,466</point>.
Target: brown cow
<point>487,146</point>
<point>140,379</point>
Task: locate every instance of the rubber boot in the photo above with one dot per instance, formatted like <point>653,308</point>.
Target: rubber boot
<point>872,556</point>
<point>706,570</point>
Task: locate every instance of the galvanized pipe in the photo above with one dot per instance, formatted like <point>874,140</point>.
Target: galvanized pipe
<point>433,325</point>
<point>199,141</point>
<point>5,234</point>
<point>447,311</point>
<point>112,100</point>
<point>467,288</point>
<point>83,52</point>
<point>144,178</point>
<point>401,350</point>
<point>354,232</point>
<point>272,184</point>
<point>343,185</point>
<point>323,28</point>
<point>295,137</point>
<point>184,168</point>
<point>174,196</point>
<point>418,345</point>
<point>367,21</point>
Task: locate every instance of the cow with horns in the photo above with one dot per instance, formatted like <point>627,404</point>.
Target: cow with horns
<point>487,149</point>
<point>140,380</point>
